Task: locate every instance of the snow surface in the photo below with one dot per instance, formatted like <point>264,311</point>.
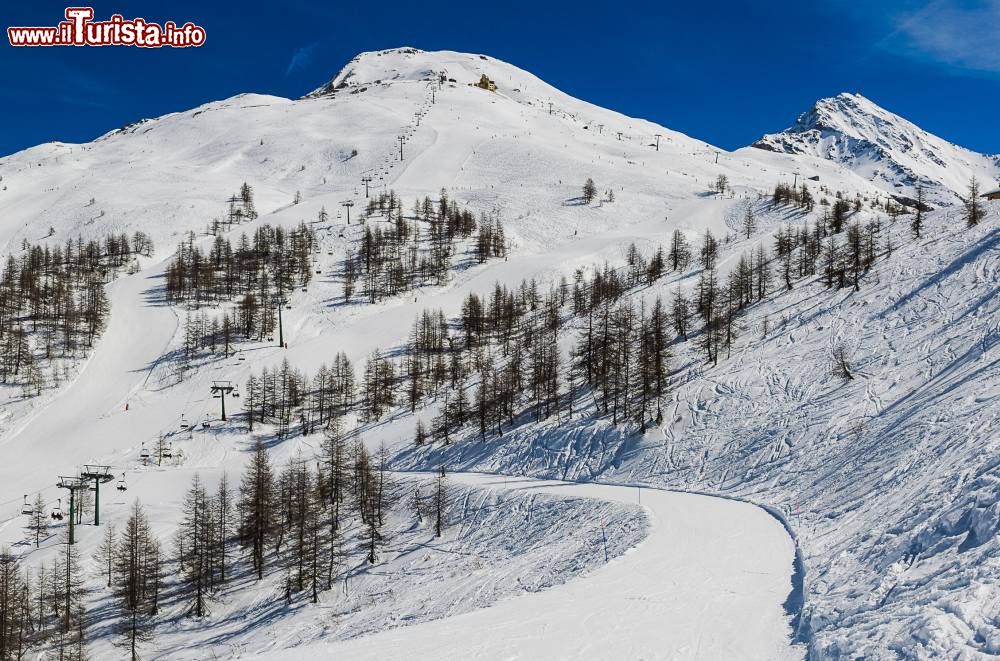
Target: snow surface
<point>890,483</point>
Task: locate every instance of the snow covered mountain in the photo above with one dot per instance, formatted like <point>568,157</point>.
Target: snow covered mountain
<point>888,480</point>
<point>890,151</point>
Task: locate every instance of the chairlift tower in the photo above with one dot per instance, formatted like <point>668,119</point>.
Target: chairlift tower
<point>100,475</point>
<point>221,389</point>
<point>347,204</point>
<point>402,139</point>
<point>72,484</point>
<point>281,327</point>
<point>658,136</point>
<point>366,180</point>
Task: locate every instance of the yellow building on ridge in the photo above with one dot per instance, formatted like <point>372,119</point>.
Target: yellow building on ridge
<point>486,84</point>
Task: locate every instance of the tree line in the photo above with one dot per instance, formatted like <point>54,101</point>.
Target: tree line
<point>262,268</point>
<point>44,610</point>
<point>240,207</point>
<point>53,303</point>
<point>286,395</point>
<point>501,359</point>
<point>417,249</point>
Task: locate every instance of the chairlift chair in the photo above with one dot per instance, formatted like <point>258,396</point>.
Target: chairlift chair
<point>57,514</point>
<point>144,453</point>
<point>168,450</point>
<point>121,484</point>
<point>26,508</point>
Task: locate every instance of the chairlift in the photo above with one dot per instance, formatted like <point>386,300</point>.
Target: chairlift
<point>305,289</point>
<point>270,339</point>
<point>241,357</point>
<point>216,396</point>
<point>205,425</point>
<point>26,508</point>
<point>288,307</point>
<point>236,394</point>
<point>144,453</point>
<point>121,484</point>
<point>57,514</point>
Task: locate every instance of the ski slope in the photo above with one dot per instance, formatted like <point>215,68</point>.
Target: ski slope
<point>115,374</point>
<point>707,583</point>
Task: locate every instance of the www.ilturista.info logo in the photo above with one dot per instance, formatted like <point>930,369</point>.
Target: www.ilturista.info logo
<point>79,29</point>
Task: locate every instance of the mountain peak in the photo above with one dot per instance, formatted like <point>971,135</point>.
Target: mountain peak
<point>848,111</point>
<point>406,64</point>
<point>885,148</point>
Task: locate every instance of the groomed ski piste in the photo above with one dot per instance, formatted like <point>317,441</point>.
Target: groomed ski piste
<point>776,513</point>
<point>707,583</point>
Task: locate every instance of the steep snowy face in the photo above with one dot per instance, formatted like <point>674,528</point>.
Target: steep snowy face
<point>401,66</point>
<point>881,146</point>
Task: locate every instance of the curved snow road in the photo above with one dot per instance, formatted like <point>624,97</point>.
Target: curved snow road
<point>707,583</point>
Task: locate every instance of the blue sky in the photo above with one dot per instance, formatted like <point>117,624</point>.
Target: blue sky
<point>725,72</point>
